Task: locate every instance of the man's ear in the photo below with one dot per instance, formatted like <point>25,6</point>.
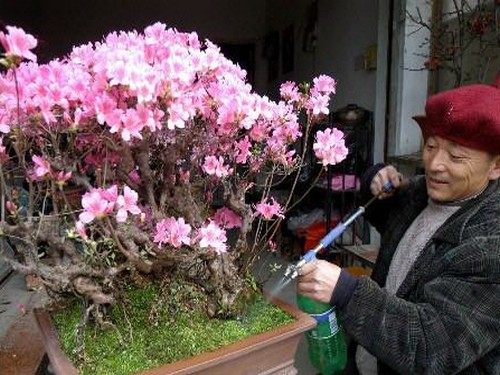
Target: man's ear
<point>495,170</point>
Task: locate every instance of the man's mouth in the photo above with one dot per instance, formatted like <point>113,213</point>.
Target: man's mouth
<point>436,181</point>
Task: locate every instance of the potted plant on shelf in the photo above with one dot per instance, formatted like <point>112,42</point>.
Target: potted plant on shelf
<point>164,143</point>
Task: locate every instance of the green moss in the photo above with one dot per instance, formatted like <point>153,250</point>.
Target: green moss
<point>145,335</point>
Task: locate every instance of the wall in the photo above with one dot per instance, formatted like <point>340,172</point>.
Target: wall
<point>60,24</point>
<point>343,31</point>
<point>408,86</point>
<point>345,28</point>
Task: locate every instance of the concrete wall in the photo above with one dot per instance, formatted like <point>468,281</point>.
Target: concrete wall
<point>345,29</point>
<point>408,86</point>
<point>63,23</point>
<point>343,33</point>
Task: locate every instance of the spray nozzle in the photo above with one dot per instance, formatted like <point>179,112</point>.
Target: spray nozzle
<point>293,270</point>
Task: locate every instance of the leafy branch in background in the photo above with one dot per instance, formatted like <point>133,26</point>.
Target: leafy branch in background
<point>463,42</point>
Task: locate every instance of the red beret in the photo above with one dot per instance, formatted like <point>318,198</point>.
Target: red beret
<point>468,115</point>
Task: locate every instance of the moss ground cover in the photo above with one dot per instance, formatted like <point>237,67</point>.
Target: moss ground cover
<point>147,333</point>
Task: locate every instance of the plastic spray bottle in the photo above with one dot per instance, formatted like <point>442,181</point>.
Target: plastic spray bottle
<point>327,347</point>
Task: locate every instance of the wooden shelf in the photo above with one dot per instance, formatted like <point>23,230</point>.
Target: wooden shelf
<point>365,254</point>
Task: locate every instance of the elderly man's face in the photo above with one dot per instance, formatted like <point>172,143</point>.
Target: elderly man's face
<point>455,172</point>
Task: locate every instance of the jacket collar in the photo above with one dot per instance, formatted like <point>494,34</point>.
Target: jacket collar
<point>448,232</point>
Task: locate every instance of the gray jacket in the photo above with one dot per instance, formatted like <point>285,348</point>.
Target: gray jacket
<point>445,317</point>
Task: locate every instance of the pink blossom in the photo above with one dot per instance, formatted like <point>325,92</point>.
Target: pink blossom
<point>18,43</point>
<point>258,132</point>
<point>268,209</point>
<point>80,229</point>
<point>184,175</point>
<point>42,167</point>
<point>134,176</point>
<point>290,92</point>
<point>62,178</point>
<point>4,121</point>
<point>94,206</point>
<point>213,237</point>
<point>318,104</point>
<point>227,218</point>
<point>243,150</point>
<point>127,203</point>
<point>215,166</point>
<point>105,108</point>
<point>110,194</point>
<point>272,245</point>
<point>150,118</point>
<point>132,125</point>
<point>324,84</point>
<point>11,207</point>
<point>164,101</point>
<point>330,147</point>
<point>172,231</point>
<point>74,123</point>
<point>4,157</point>
<point>21,308</point>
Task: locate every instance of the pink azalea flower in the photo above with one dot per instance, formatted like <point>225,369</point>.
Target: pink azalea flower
<point>318,104</point>
<point>62,178</point>
<point>21,308</point>
<point>4,157</point>
<point>210,165</point>
<point>330,147</point>
<point>94,206</point>
<point>268,209</point>
<point>213,237</point>
<point>243,150</point>
<point>18,43</point>
<point>290,92</point>
<point>184,175</point>
<point>324,84</point>
<point>258,132</point>
<point>134,176</point>
<point>42,167</point>
<point>132,125</point>
<point>80,229</point>
<point>127,203</point>
<point>272,245</point>
<point>4,123</point>
<point>110,194</point>
<point>172,231</point>
<point>215,166</point>
<point>11,207</point>
<point>227,218</point>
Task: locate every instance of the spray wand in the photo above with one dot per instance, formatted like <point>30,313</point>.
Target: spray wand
<point>293,270</point>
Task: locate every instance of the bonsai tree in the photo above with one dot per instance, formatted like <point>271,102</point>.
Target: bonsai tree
<point>138,157</point>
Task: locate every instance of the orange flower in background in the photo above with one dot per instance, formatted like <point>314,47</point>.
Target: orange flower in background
<point>432,64</point>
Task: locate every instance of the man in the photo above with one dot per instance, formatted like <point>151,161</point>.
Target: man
<point>432,305</point>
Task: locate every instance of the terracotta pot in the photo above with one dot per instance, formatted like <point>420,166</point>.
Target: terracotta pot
<point>271,352</point>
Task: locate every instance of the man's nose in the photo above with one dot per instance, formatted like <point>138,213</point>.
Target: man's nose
<point>437,160</point>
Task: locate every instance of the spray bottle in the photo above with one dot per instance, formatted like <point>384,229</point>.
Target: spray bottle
<point>327,347</point>
<point>326,344</point>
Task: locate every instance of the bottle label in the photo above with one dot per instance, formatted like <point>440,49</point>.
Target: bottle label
<point>334,326</point>
<point>330,317</point>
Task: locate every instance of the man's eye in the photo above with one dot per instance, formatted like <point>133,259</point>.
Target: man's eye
<point>457,157</point>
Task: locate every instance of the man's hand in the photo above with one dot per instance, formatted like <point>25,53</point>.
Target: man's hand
<point>318,279</point>
<point>383,176</point>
